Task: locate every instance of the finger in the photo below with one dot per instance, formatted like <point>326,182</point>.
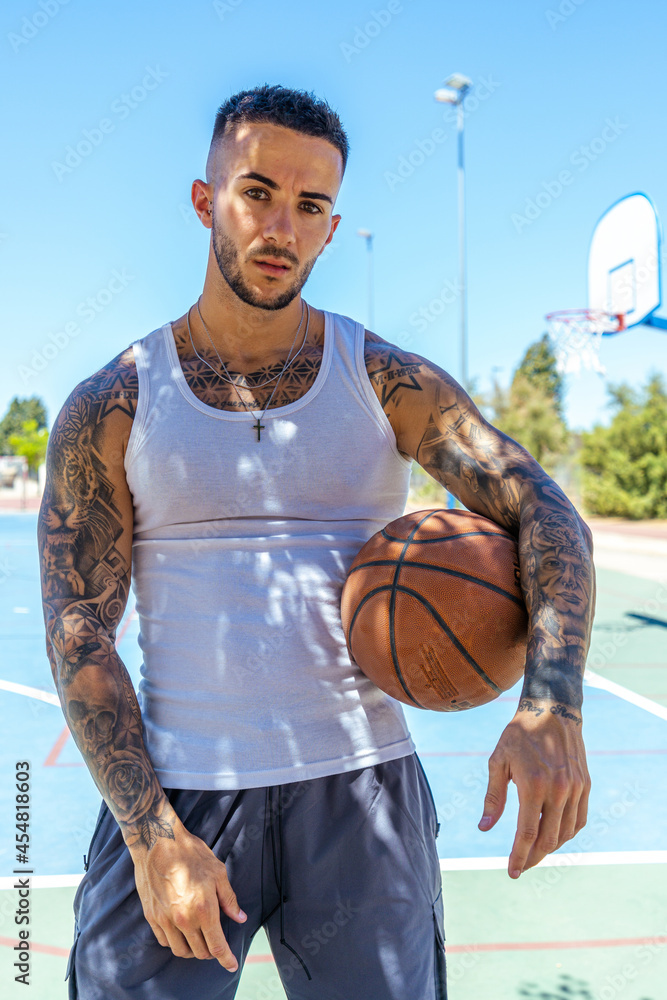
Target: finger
<point>218,947</point>
<point>159,934</point>
<point>575,813</point>
<point>548,835</point>
<point>177,942</point>
<point>227,899</point>
<point>582,810</point>
<point>197,944</point>
<point>188,923</point>
<point>496,794</point>
<point>568,823</point>
<point>527,832</point>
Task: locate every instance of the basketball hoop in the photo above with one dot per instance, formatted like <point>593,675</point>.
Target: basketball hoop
<point>576,335</point>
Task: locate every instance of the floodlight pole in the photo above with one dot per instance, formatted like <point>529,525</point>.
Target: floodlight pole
<point>454,92</point>
<point>462,245</point>
<point>368,236</point>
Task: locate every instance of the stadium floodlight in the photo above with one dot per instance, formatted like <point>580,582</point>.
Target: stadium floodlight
<point>457,81</point>
<point>446,96</point>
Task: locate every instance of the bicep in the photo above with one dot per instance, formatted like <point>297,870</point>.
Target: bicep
<point>443,430</point>
<point>86,519</point>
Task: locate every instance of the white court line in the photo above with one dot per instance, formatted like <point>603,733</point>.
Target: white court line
<point>559,860</point>
<point>446,864</point>
<point>30,692</point>
<point>598,681</point>
<point>47,696</point>
<point>42,881</point>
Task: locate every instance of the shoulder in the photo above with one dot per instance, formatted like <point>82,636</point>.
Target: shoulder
<point>107,399</point>
<point>423,403</point>
<point>119,373</point>
<point>396,374</point>
<point>377,350</point>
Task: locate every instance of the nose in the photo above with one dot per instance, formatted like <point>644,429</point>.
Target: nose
<point>279,226</point>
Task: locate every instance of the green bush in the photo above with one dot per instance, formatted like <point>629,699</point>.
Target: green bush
<point>18,411</point>
<point>625,464</point>
<point>530,409</point>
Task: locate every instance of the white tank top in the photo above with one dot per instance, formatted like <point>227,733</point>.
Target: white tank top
<point>239,556</point>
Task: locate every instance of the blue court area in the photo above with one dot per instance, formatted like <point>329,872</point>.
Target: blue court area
<point>626,744</point>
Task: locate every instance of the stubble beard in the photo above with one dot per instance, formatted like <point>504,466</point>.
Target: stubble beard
<point>227,257</point>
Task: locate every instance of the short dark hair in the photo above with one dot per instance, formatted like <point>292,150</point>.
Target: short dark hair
<point>296,109</point>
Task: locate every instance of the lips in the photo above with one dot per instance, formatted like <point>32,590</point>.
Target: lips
<point>270,268</point>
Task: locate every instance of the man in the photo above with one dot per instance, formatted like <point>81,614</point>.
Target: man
<point>235,460</point>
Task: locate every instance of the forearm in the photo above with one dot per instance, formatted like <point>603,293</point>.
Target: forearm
<point>102,712</point>
<point>558,582</point>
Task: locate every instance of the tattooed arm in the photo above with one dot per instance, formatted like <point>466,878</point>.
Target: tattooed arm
<point>438,425</point>
<point>85,542</point>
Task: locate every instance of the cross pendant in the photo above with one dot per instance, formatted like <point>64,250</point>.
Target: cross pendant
<point>259,428</point>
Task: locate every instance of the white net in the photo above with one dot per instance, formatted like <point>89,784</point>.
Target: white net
<point>576,335</point>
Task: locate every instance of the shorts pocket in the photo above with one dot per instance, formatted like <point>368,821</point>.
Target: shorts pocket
<point>86,858</point>
<point>430,793</point>
<point>397,794</point>
<point>70,973</point>
<point>439,963</point>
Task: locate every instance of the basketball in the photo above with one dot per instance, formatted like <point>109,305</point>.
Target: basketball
<point>433,611</point>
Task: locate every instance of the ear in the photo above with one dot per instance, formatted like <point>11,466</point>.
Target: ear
<point>335,219</point>
<point>202,198</point>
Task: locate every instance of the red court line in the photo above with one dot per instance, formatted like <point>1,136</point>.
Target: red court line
<point>54,752</point>
<point>126,625</point>
<point>43,949</point>
<point>556,945</point>
<point>452,949</point>
<point>56,749</point>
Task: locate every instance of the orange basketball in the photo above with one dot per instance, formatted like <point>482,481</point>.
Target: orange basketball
<point>433,611</point>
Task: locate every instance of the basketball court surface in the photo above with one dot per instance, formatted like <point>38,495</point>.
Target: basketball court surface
<point>590,922</point>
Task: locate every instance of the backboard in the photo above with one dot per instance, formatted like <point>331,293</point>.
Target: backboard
<point>624,261</point>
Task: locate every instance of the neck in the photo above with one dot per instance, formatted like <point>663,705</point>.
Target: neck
<point>243,334</point>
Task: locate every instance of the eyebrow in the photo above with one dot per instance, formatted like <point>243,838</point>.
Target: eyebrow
<point>253,176</point>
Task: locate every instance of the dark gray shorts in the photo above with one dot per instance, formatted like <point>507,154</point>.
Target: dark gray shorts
<point>342,872</point>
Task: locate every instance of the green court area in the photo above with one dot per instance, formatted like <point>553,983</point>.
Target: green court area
<point>630,632</point>
<point>600,931</point>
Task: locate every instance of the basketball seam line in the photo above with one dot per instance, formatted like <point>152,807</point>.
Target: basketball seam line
<point>459,645</point>
<point>367,597</point>
<point>443,569</point>
<point>392,606</point>
<point>448,538</point>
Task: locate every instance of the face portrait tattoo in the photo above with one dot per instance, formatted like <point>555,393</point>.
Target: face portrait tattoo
<point>564,581</point>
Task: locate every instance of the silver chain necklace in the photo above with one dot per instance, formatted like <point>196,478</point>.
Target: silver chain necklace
<point>227,377</point>
<point>258,426</point>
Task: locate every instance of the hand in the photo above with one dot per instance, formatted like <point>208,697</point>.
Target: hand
<point>182,886</point>
<point>543,753</point>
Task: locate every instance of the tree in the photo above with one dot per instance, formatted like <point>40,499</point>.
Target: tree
<point>625,464</point>
<point>530,410</point>
<point>539,366</point>
<point>30,443</point>
<point>18,411</point>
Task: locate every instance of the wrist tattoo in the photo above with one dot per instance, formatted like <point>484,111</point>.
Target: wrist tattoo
<point>562,711</point>
<point>526,705</point>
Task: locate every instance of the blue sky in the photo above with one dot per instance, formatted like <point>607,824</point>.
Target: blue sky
<point>99,253</point>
